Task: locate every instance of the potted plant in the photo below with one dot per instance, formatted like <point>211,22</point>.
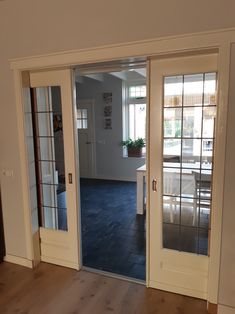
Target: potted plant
<point>134,147</point>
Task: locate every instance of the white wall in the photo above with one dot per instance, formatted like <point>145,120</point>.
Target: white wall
<point>110,162</point>
<point>30,27</point>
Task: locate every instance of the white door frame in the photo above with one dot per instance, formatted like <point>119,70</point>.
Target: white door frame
<point>216,40</point>
<point>92,102</point>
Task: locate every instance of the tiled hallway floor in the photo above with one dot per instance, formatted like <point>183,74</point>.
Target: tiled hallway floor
<point>113,236</point>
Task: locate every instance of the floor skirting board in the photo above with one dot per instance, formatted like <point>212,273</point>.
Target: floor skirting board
<point>18,260</point>
<point>223,309</point>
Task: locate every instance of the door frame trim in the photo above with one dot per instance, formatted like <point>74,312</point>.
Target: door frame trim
<point>191,43</point>
<point>92,102</point>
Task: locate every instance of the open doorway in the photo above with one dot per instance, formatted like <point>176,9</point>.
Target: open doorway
<point>111,128</point>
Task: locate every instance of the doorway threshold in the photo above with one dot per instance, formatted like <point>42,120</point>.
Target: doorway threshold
<point>113,275</point>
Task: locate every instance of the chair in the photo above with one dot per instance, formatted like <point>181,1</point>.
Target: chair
<point>202,195</point>
<point>169,191</point>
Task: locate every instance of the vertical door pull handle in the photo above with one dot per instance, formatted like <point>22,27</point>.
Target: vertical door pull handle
<point>154,185</point>
<point>70,178</point>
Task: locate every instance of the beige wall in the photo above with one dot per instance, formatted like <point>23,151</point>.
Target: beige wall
<point>30,27</point>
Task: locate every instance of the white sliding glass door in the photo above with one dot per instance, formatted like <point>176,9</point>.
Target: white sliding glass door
<point>52,105</point>
<point>182,135</point>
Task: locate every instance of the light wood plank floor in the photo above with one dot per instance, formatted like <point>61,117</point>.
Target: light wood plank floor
<point>52,289</point>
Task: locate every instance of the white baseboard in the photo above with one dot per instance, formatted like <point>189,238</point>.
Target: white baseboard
<point>18,260</point>
<point>177,289</point>
<point>223,309</point>
<point>59,262</point>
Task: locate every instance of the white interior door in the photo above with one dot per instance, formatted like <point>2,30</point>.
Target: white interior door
<point>86,138</point>
<point>182,119</point>
<point>54,135</point>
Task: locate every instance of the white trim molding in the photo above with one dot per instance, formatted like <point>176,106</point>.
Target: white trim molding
<point>18,81</point>
<point>18,260</point>
<point>219,171</point>
<point>60,262</point>
<point>178,289</point>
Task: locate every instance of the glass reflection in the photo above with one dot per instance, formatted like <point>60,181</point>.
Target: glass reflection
<point>50,155</point>
<point>188,139</point>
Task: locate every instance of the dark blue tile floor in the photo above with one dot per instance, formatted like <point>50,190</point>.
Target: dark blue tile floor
<point>113,236</point>
<point>62,212</point>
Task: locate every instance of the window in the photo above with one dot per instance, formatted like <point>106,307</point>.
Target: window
<point>138,91</point>
<point>82,119</point>
<point>137,116</point>
<point>135,112</point>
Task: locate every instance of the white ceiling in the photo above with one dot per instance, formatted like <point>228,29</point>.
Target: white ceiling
<point>124,75</point>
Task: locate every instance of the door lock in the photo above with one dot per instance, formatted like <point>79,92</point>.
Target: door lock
<point>154,185</point>
<point>70,178</point>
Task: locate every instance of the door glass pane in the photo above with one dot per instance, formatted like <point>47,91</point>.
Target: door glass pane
<point>173,91</point>
<point>203,241</point>
<point>207,152</point>
<point>172,122</point>
<point>60,203</point>
<point>84,113</point>
<point>208,121</point>
<point>171,182</point>
<point>171,207</point>
<point>79,113</point>
<point>192,122</point>
<point>171,236</point>
<point>210,89</point>
<point>193,90</point>
<point>171,152</point>
<point>188,183</point>
<point>45,123</point>
<point>191,152</point>
<point>188,141</point>
<point>188,239</point>
<point>189,211</point>
<point>50,158</point>
<point>85,124</point>
<point>171,194</point>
